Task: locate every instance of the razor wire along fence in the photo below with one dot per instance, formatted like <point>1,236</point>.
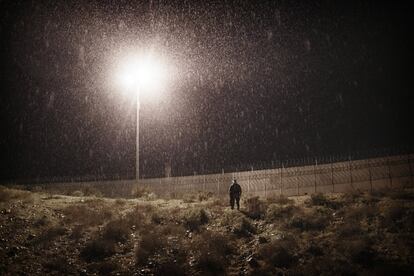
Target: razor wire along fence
<point>366,174</point>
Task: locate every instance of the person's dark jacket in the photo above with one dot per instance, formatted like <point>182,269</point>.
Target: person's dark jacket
<point>235,190</point>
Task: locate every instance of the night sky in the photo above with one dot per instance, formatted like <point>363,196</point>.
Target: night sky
<point>255,81</point>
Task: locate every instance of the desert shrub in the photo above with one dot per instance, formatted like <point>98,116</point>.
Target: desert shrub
<point>352,196</point>
<point>43,221</point>
<point>401,194</point>
<point>120,202</point>
<point>140,191</point>
<point>359,212</point>
<point>77,232</point>
<point>280,199</point>
<point>77,193</point>
<point>104,268</point>
<point>171,267</point>
<point>238,224</point>
<point>320,199</point>
<point>193,219</point>
<point>86,215</point>
<point>150,244</point>
<point>308,221</point>
<point>280,253</point>
<point>212,251</point>
<point>392,214</point>
<point>358,250</point>
<point>7,194</point>
<point>91,191</point>
<point>255,208</point>
<point>325,265</point>
<point>189,198</point>
<point>58,264</point>
<point>117,230</point>
<point>276,212</point>
<point>348,229</point>
<point>203,196</point>
<point>98,249</point>
<point>49,234</point>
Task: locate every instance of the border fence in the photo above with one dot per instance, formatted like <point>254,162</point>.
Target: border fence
<point>393,172</point>
<point>365,175</point>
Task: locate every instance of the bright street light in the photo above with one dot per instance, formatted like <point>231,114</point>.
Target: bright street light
<point>138,73</point>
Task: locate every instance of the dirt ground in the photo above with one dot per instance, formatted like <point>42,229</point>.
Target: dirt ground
<point>352,234</point>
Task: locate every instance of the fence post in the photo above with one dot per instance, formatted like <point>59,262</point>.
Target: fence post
<point>332,179</point>
<point>297,178</point>
<point>389,171</point>
<point>314,172</point>
<point>370,174</point>
<point>411,170</point>
<point>350,172</point>
<point>281,180</point>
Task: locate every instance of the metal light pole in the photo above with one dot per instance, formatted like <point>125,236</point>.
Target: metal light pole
<point>137,133</point>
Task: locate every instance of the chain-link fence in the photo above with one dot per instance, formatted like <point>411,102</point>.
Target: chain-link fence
<point>367,174</point>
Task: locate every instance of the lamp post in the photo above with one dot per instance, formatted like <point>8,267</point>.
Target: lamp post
<point>141,73</point>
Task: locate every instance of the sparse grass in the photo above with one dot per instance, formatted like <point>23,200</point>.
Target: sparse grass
<point>360,233</point>
<point>212,252</point>
<point>117,230</point>
<point>280,199</point>
<point>255,207</point>
<point>309,221</point>
<point>86,215</point>
<point>322,200</point>
<point>98,249</point>
<point>49,234</point>
<point>193,219</point>
<point>280,253</point>
<point>7,194</point>
<point>275,212</point>
<point>150,244</point>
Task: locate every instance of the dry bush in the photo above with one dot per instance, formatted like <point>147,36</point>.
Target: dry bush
<point>98,249</point>
<point>280,253</point>
<point>393,214</point>
<point>308,221</point>
<point>43,221</point>
<point>320,199</point>
<point>49,234</point>
<point>120,202</point>
<point>359,212</point>
<point>91,191</point>
<point>280,199</point>
<point>86,215</point>
<point>403,194</point>
<point>212,251</point>
<point>348,229</point>
<point>104,268</point>
<point>189,198</point>
<point>77,193</point>
<point>140,191</point>
<point>204,196</point>
<point>150,244</point>
<point>117,230</point>
<point>77,232</point>
<point>255,208</point>
<point>193,219</point>
<point>237,223</point>
<point>326,265</point>
<point>358,250</point>
<point>138,216</point>
<point>276,212</point>
<point>58,264</point>
<point>352,196</point>
<point>7,194</point>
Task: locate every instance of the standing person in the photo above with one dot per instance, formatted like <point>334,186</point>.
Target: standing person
<point>235,193</point>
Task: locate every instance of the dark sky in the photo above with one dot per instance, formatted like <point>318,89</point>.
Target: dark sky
<point>255,81</point>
